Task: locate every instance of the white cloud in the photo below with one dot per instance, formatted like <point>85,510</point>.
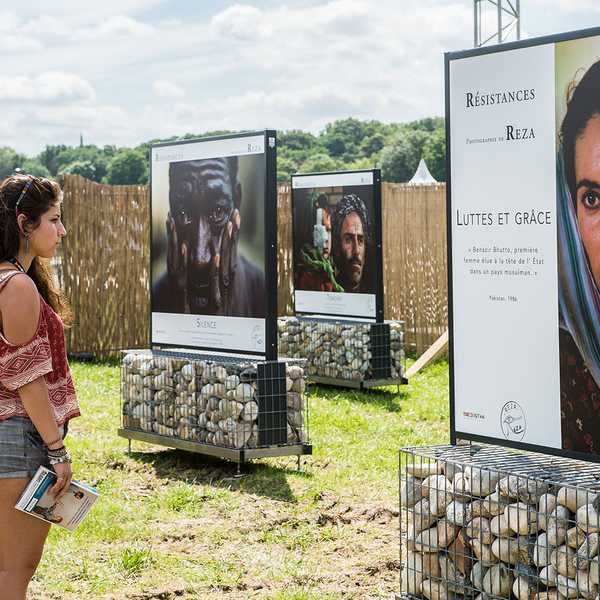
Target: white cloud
<point>289,64</point>
<point>172,22</point>
<point>168,89</point>
<point>118,26</point>
<point>51,86</point>
<point>568,6</point>
<point>46,25</point>
<point>240,21</point>
<point>16,43</point>
<point>9,21</point>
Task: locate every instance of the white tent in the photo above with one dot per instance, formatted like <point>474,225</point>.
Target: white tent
<point>422,175</point>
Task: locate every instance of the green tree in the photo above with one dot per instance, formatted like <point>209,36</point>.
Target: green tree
<point>361,164</point>
<point>129,167</point>
<point>372,144</point>
<point>320,163</point>
<point>34,166</point>
<point>49,157</point>
<point>429,124</point>
<point>434,154</point>
<point>85,168</point>
<point>343,138</point>
<point>97,157</point>
<point>296,140</point>
<point>400,158</point>
<point>9,161</point>
<point>285,169</point>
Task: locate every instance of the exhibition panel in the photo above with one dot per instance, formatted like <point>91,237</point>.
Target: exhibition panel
<point>522,133</point>
<point>214,243</point>
<point>336,222</point>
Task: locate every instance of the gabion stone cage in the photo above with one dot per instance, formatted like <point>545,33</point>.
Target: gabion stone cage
<point>481,521</point>
<point>220,405</point>
<point>353,353</point>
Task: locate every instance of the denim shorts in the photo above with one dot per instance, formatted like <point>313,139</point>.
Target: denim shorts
<point>22,449</point>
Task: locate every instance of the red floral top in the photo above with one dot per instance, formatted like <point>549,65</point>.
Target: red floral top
<point>579,400</point>
<point>44,355</point>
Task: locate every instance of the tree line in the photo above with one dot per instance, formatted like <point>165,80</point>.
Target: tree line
<point>348,144</point>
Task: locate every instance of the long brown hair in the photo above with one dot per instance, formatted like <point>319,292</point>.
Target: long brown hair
<point>41,196</point>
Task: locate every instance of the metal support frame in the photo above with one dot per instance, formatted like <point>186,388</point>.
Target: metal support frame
<point>508,18</point>
<point>211,450</point>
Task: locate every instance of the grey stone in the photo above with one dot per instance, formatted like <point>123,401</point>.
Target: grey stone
<point>557,525</point>
<point>549,576</point>
<point>574,498</point>
<point>477,574</point>
<point>514,550</point>
<point>484,553</point>
<point>458,512</point>
<point>526,489</point>
<point>587,551</point>
<point>562,560</point>
<point>588,518</point>
<point>521,518</point>
<point>542,551</point>
<point>483,482</point>
<point>523,589</point>
<point>498,581</point>
<point>412,574</point>
<point>411,492</point>
<point>479,528</point>
<point>546,505</point>
<point>455,580</point>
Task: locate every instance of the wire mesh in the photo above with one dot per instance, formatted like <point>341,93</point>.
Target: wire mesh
<point>218,400</point>
<point>349,350</point>
<point>482,519</point>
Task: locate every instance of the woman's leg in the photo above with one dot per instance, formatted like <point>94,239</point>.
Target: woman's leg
<point>22,539</point>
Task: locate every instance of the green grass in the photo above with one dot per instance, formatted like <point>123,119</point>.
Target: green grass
<point>174,524</point>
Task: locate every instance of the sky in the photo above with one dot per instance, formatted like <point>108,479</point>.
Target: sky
<point>123,72</point>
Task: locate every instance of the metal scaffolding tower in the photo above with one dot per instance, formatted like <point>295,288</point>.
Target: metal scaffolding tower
<point>508,20</point>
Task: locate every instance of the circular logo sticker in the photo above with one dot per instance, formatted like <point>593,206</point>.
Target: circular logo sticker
<point>258,338</point>
<point>512,422</point>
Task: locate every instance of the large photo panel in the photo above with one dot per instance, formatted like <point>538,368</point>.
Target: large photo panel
<point>211,261</point>
<point>523,220</point>
<point>336,220</point>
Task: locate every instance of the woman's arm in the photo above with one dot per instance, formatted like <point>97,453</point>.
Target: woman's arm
<point>36,401</point>
<point>20,310</point>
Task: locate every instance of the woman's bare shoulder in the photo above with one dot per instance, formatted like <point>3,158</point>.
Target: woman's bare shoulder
<point>20,309</point>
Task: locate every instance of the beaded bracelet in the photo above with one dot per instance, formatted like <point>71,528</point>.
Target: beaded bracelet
<point>66,458</point>
<point>57,453</point>
<point>58,439</point>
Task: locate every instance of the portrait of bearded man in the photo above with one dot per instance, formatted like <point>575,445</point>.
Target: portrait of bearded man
<point>351,245</point>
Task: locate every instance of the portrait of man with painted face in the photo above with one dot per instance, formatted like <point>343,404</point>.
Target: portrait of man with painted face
<point>206,272</point>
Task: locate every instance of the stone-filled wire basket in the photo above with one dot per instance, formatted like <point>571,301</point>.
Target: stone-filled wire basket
<point>214,401</point>
<point>481,521</point>
<point>345,351</point>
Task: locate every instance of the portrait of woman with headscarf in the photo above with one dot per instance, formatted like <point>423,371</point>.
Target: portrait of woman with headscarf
<point>578,206</point>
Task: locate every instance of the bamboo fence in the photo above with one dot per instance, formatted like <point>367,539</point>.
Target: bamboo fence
<point>106,266</point>
<point>414,261</point>
<point>106,263</point>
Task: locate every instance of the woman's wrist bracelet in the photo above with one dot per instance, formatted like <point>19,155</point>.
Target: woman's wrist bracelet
<point>59,439</point>
<point>57,453</point>
<point>65,458</point>
<point>56,449</point>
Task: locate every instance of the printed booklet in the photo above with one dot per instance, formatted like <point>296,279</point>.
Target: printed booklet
<point>67,512</point>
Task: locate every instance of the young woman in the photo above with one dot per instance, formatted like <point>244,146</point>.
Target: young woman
<point>37,396</point>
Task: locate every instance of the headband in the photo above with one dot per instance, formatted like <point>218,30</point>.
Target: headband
<point>29,182</point>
